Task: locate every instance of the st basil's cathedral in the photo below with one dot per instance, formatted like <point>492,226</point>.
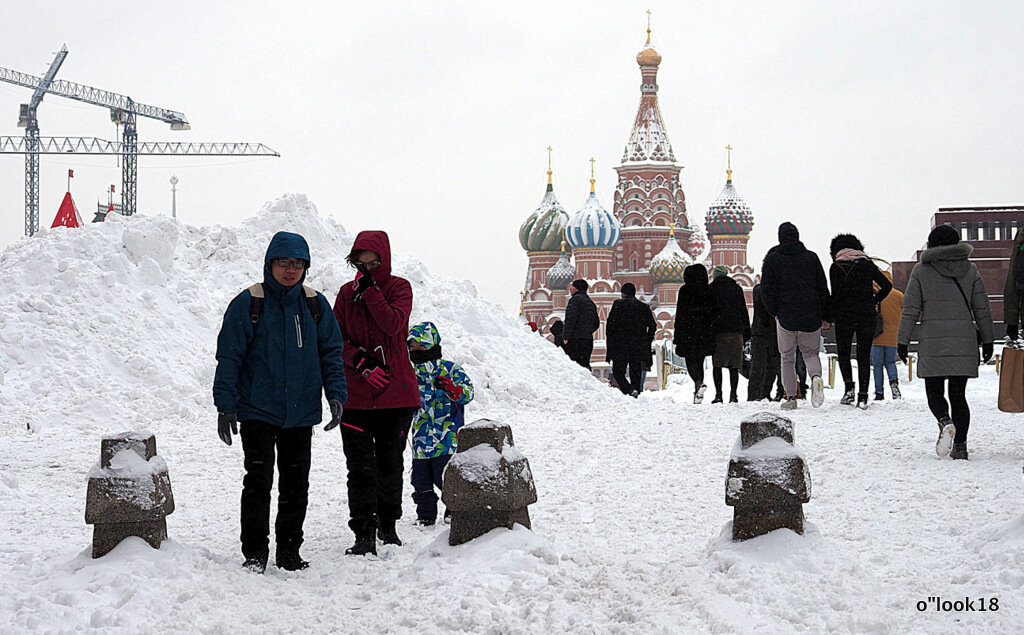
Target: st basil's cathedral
<point>646,239</point>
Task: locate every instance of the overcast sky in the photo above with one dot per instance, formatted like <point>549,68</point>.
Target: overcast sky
<point>430,120</point>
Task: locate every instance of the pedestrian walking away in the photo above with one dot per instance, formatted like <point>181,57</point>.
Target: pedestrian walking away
<point>883,347</point>
<point>855,302</point>
<point>445,389</point>
<point>581,321</point>
<point>694,337</point>
<point>373,313</point>
<point>731,327</point>
<point>796,294</point>
<point>629,331</point>
<point>1013,290</point>
<point>764,351</point>
<point>946,294</point>
<point>276,352</point>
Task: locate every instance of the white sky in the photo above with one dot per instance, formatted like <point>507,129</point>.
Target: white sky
<point>429,120</point>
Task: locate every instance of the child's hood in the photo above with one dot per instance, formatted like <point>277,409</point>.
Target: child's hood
<point>426,334</point>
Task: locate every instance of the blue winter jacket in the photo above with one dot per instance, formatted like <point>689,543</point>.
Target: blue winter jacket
<point>274,373</point>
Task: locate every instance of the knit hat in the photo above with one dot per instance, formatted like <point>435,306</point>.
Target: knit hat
<point>719,270</point>
<point>580,284</point>
<point>788,232</point>
<point>943,235</point>
<point>629,289</point>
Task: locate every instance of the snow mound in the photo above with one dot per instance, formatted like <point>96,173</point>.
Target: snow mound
<point>115,323</point>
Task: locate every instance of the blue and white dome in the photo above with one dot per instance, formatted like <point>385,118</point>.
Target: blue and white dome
<point>593,226</point>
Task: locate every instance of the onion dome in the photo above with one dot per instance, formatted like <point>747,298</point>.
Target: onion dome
<point>668,265</point>
<point>698,242</point>
<point>647,55</point>
<point>542,231</point>
<point>729,214</point>
<point>593,226</point>
<point>561,273</point>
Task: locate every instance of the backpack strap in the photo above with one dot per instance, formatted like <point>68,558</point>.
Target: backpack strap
<point>256,298</point>
<point>313,302</point>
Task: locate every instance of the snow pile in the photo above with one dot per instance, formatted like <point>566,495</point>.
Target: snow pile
<point>115,323</point>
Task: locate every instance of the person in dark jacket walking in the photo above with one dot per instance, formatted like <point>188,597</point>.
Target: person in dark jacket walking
<point>732,329</point>
<point>694,336</point>
<point>795,293</point>
<point>557,327</point>
<point>629,331</point>
<point>764,351</point>
<point>373,313</point>
<point>855,309</point>
<point>271,368</point>
<point>947,294</point>
<point>581,320</point>
<point>1013,290</point>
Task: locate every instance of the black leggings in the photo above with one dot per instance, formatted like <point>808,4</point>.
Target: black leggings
<point>695,367</point>
<point>934,387</point>
<point>864,328</point>
<point>734,380</point>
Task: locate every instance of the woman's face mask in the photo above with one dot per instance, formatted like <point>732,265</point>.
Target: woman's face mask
<point>424,356</point>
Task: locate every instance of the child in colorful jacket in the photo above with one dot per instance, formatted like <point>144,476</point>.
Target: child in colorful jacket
<point>445,389</point>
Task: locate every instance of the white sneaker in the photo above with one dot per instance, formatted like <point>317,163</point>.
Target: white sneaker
<point>946,433</point>
<point>788,404</point>
<point>817,392</point>
<point>698,395</point>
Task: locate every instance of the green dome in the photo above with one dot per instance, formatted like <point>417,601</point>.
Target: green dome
<point>669,264</point>
<point>542,231</point>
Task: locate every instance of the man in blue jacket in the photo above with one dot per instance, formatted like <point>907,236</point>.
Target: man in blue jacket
<point>274,354</point>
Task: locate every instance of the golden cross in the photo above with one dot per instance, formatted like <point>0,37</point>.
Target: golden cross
<point>549,157</point>
<point>648,26</point>
<point>591,167</point>
<point>729,148</point>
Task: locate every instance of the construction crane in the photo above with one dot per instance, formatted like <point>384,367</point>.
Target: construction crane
<point>123,111</point>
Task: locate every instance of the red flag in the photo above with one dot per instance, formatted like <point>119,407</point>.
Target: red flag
<point>71,174</point>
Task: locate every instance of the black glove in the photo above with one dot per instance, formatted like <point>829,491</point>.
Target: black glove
<point>1011,331</point>
<point>986,352</point>
<point>227,424</point>
<point>336,410</point>
<point>364,280</point>
<point>903,351</point>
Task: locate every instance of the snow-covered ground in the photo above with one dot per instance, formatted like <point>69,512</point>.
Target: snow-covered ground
<point>112,327</point>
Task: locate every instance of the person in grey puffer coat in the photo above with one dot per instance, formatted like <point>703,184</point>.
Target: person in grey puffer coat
<point>946,293</point>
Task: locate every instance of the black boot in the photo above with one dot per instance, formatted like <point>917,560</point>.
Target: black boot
<point>364,544</point>
<point>849,395</point>
<point>290,560</point>
<point>257,563</point>
<point>862,400</point>
<point>959,451</point>
<point>717,399</point>
<point>387,534</point>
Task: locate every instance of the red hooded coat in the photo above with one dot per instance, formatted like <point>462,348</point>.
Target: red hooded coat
<point>378,324</point>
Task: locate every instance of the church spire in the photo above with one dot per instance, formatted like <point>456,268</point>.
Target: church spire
<point>648,141</point>
<point>728,171</point>
<point>550,186</point>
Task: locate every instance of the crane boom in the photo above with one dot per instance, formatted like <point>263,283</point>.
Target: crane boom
<point>95,96</point>
<point>94,146</point>
<point>47,79</point>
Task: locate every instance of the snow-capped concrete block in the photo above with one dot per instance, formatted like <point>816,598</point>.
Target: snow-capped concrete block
<point>762,425</point>
<point>129,493</point>
<point>767,482</point>
<point>487,484</point>
<point>142,443</point>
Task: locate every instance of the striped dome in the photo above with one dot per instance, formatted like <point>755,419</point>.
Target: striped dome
<point>729,214</point>
<point>542,231</point>
<point>698,242</point>
<point>561,274</point>
<point>593,227</point>
<point>669,264</point>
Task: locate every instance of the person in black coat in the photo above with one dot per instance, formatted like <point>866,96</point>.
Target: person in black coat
<point>629,331</point>
<point>581,320</point>
<point>764,351</point>
<point>855,309</point>
<point>694,336</point>
<point>732,329</point>
<point>556,333</point>
<point>795,292</point>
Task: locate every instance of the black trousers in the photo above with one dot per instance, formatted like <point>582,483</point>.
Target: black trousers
<point>764,366</point>
<point>635,367</point>
<point>259,441</point>
<point>426,475</point>
<point>579,350</point>
<point>695,368</point>
<point>864,328</point>
<point>374,442</point>
<point>935,387</point>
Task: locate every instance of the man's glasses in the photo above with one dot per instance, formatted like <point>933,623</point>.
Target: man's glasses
<point>290,263</point>
<point>369,264</point>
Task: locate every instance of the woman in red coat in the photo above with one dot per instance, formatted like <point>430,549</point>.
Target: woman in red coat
<point>373,313</point>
